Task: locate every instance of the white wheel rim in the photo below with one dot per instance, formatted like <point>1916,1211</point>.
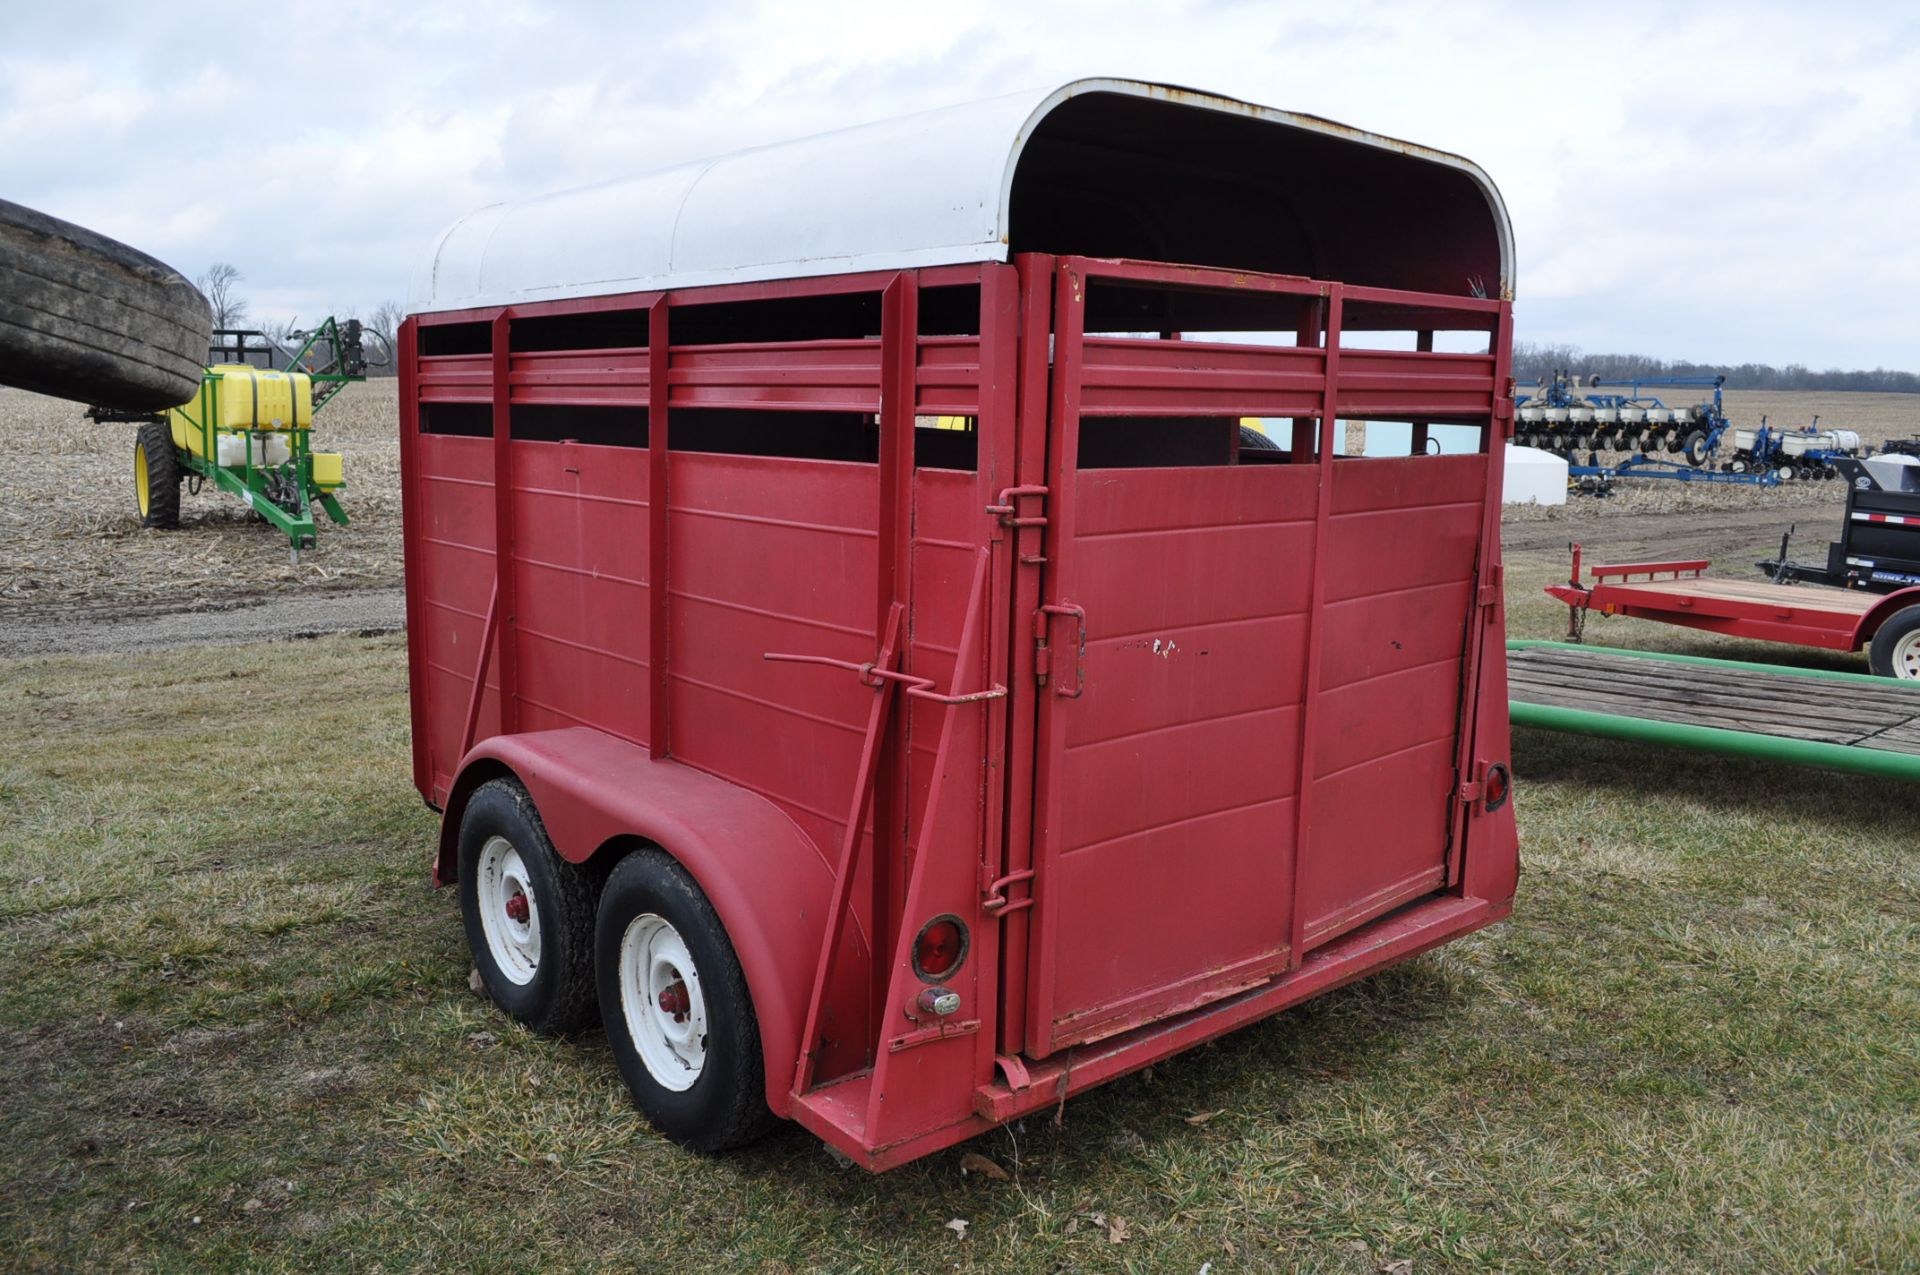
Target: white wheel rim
<point>1906,657</point>
<point>660,998</point>
<point>509,913</point>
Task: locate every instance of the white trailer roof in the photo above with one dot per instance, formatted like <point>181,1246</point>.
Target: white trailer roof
<point>940,188</point>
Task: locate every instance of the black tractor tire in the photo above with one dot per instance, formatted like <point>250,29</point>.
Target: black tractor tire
<point>156,477</point>
<point>557,995</point>
<point>1252,440</point>
<point>1884,654</point>
<point>1695,448</point>
<point>726,1103</point>
<point>86,317</point>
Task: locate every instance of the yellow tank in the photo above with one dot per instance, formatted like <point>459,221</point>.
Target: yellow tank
<point>235,396</point>
<point>327,470</point>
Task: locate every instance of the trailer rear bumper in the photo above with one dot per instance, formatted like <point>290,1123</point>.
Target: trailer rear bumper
<point>1024,1087</point>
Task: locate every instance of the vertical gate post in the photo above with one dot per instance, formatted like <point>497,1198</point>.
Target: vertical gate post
<point>508,624</point>
<point>899,365</point>
<point>1316,622</point>
<point>659,599</point>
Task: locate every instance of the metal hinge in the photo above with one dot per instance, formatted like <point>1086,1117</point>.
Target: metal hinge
<point>1042,650</point>
<point>1490,592</point>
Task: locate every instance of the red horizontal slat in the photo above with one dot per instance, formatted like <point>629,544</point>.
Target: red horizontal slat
<point>579,377</point>
<point>456,378</point>
<point>947,381</point>
<point>812,375</point>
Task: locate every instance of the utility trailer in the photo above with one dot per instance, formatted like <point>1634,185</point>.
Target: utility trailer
<point>902,780</point>
<point>1681,592</point>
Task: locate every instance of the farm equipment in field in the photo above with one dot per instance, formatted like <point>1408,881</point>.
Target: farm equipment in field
<point>1568,414</point>
<point>1805,453</point>
<point>248,430</point>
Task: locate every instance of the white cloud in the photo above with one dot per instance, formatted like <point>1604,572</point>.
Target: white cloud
<point>1723,182</point>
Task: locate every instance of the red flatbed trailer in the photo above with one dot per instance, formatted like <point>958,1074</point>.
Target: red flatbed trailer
<point>1681,592</point>
<point>901,780</point>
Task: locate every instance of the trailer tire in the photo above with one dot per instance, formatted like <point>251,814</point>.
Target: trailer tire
<point>678,1014</point>
<point>86,317</point>
<point>156,477</point>
<point>1895,649</point>
<point>535,959</point>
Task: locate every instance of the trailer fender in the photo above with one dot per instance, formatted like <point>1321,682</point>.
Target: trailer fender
<point>1883,610</point>
<point>769,882</point>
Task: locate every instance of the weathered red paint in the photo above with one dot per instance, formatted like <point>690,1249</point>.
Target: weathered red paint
<point>1180,745</point>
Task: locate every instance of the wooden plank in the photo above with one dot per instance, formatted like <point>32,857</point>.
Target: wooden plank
<point>1685,714</point>
<point>1761,703</point>
<point>1808,598</point>
<point>1756,694</point>
<point>1735,716</point>
<point>1622,670</point>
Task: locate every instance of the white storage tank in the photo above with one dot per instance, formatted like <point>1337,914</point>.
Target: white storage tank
<point>1534,477</point>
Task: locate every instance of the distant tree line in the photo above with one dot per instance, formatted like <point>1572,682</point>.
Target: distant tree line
<point>1532,360</point>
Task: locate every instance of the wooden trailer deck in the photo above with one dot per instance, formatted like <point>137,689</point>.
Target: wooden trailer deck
<point>1837,720</point>
<point>1682,593</point>
<point>1787,597</point>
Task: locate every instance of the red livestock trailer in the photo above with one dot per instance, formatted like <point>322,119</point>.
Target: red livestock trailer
<point>866,656</point>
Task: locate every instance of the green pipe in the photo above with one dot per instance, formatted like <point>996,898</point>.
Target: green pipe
<point>1735,743</point>
<point>1744,666</point>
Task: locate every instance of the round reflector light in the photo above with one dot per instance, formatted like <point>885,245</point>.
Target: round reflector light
<point>939,948</point>
<point>1499,786</point>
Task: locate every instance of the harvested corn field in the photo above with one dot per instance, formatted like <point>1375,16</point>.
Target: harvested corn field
<point>70,536</point>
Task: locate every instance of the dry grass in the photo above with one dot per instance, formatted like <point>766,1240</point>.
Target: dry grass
<point>69,531</point>
<point>240,1037</point>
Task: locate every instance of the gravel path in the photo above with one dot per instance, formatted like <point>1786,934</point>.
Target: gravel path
<point>85,627</point>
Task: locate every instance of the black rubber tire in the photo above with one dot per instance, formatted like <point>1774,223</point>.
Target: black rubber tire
<point>86,317</point>
<point>727,1106</point>
<point>560,996</point>
<point>155,447</point>
<point>1896,626</point>
<point>1695,448</point>
<point>1252,440</point>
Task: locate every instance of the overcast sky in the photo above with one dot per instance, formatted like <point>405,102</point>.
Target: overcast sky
<point>1716,182</point>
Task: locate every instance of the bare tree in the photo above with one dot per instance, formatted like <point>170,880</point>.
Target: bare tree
<point>384,323</point>
<point>221,285</point>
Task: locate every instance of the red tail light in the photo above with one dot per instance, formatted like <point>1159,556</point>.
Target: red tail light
<point>939,948</point>
<point>1499,786</point>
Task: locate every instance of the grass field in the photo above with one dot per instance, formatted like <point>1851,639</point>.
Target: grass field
<point>240,1036</point>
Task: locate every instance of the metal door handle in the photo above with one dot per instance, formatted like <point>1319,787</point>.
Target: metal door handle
<point>1079,650</point>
